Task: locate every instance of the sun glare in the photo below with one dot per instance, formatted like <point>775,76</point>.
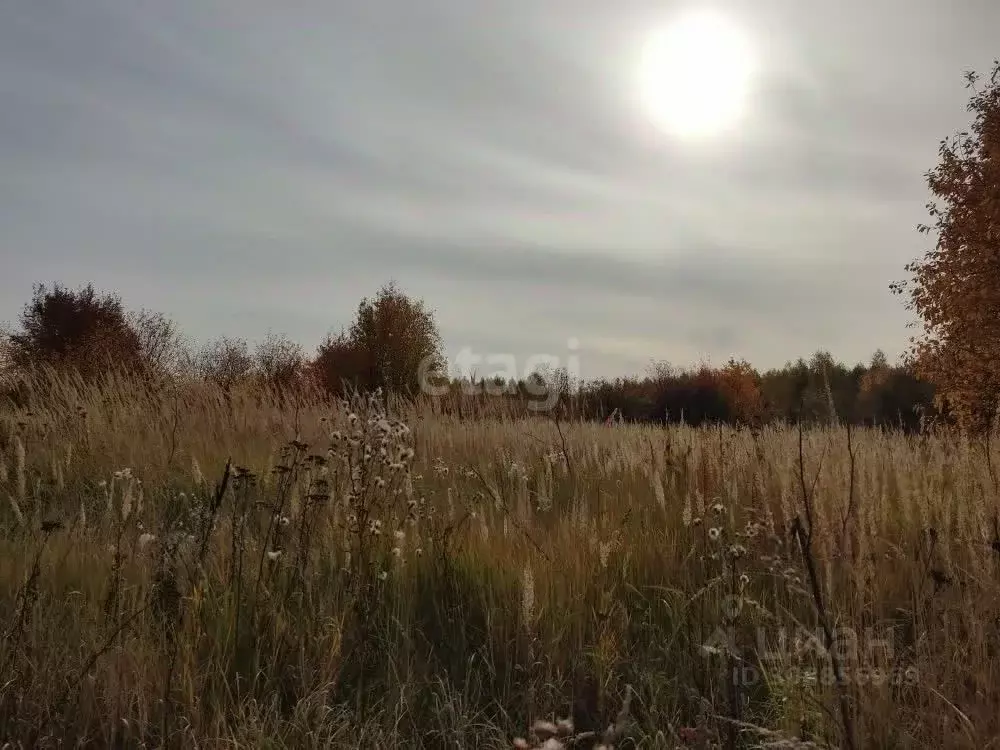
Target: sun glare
<point>696,74</point>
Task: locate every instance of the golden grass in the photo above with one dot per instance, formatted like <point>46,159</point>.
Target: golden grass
<point>493,579</point>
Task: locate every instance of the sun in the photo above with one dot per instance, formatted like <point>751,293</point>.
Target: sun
<point>696,74</point>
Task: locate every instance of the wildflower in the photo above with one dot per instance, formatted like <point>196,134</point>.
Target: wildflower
<point>273,555</point>
<point>737,551</point>
<point>375,527</point>
<point>397,552</point>
<point>400,534</point>
<point>744,580</point>
<point>714,533</point>
<point>718,508</point>
<point>284,521</point>
<point>418,551</point>
<point>383,575</point>
<point>199,478</point>
<point>604,550</point>
<point>146,539</point>
<point>379,482</point>
<point>352,418</point>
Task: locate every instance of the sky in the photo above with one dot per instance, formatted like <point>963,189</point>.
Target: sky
<point>247,167</point>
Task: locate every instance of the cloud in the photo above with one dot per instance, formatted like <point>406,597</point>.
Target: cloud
<point>244,167</point>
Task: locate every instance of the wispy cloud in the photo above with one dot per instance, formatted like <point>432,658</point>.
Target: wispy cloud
<point>245,166</point>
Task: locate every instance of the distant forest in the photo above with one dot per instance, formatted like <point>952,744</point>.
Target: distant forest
<point>394,344</point>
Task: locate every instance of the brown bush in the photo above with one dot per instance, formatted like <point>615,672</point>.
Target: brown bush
<point>79,329</point>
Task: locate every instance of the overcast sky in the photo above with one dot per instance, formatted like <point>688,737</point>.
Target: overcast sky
<point>246,165</point>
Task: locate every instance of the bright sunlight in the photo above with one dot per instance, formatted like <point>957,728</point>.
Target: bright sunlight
<point>696,74</point>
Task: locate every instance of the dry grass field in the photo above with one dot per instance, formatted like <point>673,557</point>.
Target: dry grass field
<point>358,578</point>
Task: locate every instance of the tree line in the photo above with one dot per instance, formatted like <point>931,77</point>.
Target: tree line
<point>92,334</point>
<point>949,374</point>
<point>393,343</point>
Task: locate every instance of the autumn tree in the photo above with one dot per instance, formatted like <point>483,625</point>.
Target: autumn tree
<point>161,346</point>
<point>894,397</point>
<point>392,344</point>
<point>819,390</point>
<point>740,386</point>
<point>225,361</point>
<point>337,364</point>
<point>279,362</point>
<point>694,397</point>
<point>77,329</point>
<point>955,288</point>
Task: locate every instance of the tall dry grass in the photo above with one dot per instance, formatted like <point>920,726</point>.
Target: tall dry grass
<point>357,577</point>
